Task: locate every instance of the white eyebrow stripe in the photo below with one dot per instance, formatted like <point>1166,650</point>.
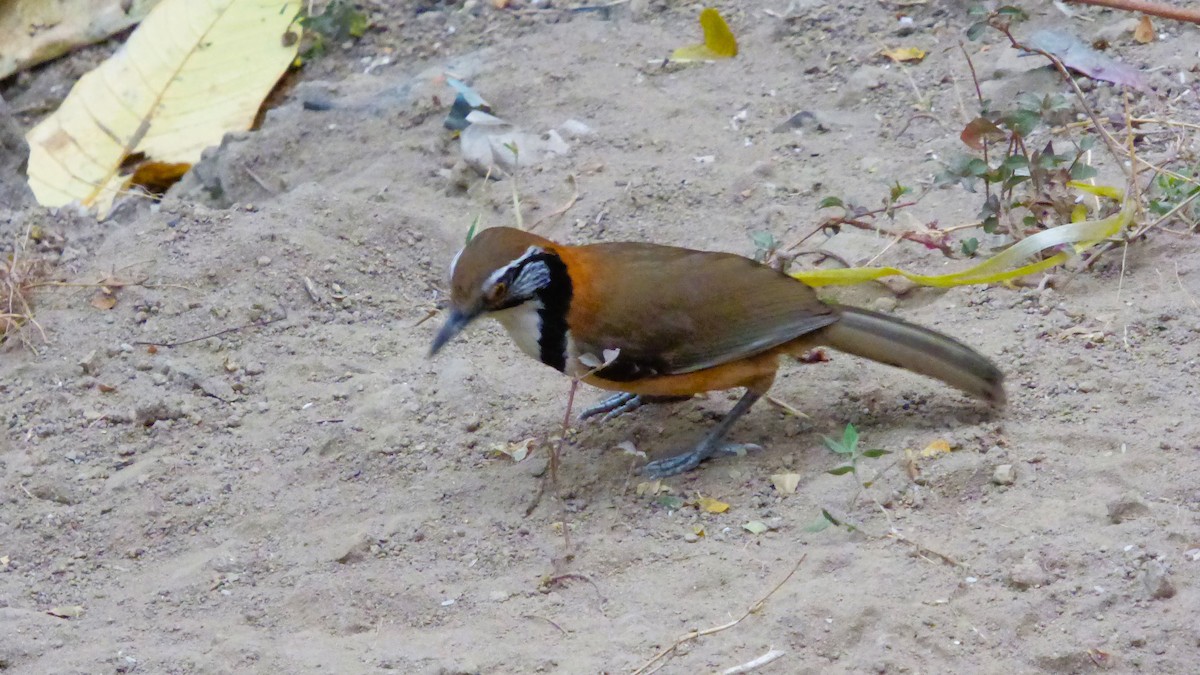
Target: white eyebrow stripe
<point>499,274</point>
<point>454,262</point>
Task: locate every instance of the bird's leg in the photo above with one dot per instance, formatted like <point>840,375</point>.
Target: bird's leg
<point>619,404</point>
<point>712,444</point>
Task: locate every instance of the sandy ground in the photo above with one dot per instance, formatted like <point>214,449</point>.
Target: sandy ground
<point>314,494</point>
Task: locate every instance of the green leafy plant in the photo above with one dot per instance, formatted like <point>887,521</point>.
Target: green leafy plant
<point>850,454</point>
<point>847,448</point>
<point>339,22</point>
<point>1179,192</point>
<point>1025,185</point>
<point>1024,188</point>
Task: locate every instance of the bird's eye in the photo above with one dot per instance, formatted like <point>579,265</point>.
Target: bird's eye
<point>497,291</point>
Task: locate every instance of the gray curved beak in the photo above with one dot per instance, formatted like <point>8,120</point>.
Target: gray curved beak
<point>452,327</point>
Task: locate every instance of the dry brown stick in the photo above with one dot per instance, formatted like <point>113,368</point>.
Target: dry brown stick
<point>1151,8</point>
<point>566,207</point>
<point>725,626</point>
<point>535,616</point>
<point>253,324</point>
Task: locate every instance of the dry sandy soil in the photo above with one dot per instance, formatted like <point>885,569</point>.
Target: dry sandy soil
<point>315,494</point>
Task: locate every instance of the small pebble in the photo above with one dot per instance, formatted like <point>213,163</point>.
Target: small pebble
<point>1157,581</point>
<point>263,261</point>
<point>1128,506</point>
<point>1004,474</point>
<point>691,537</point>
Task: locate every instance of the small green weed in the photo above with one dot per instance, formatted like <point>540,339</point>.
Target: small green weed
<point>847,449</point>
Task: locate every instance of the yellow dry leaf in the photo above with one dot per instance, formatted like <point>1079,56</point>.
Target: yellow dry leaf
<point>190,73</point>
<point>1144,31</point>
<point>34,31</point>
<point>902,54</point>
<point>719,42</point>
<point>785,483</point>
<point>935,448</point>
<point>698,530</point>
<point>712,505</point>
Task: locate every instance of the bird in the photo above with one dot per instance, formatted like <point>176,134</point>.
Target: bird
<point>654,323</point>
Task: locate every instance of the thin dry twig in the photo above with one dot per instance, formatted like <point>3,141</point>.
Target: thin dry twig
<point>253,324</point>
<point>18,277</point>
<point>1152,8</point>
<point>542,618</point>
<point>565,207</point>
<point>754,664</point>
<point>717,629</point>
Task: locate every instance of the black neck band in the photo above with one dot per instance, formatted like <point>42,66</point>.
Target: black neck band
<point>556,301</point>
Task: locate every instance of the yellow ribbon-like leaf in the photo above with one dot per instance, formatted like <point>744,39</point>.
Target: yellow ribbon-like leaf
<point>193,71</point>
<point>719,42</point>
<point>1006,264</point>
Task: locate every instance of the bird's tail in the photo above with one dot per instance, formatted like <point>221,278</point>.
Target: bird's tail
<point>889,340</point>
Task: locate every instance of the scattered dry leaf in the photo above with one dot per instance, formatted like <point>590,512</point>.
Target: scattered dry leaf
<point>104,299</point>
<point>105,388</point>
<point>3,562</point>
<point>902,54</point>
<point>66,611</point>
<point>628,448</point>
<point>1144,32</point>
<point>785,483</point>
<point>910,464</point>
<point>651,487</point>
<point>712,505</point>
<point>755,527</point>
<point>518,450</point>
<point>980,130</point>
<point>35,31</point>
<point>178,85</point>
<point>699,530</point>
<point>935,448</point>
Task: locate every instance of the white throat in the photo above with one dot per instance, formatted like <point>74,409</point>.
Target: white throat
<point>524,326</point>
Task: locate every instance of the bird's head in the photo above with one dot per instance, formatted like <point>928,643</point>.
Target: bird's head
<point>500,268</point>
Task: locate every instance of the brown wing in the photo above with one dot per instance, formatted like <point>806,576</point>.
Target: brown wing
<point>674,310</point>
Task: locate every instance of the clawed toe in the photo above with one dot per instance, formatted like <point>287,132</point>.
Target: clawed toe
<point>683,462</point>
<point>614,406</point>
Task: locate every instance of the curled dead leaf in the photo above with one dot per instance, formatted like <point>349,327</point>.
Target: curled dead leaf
<point>517,450</point>
<point>712,505</point>
<point>103,299</point>
<point>1144,33</point>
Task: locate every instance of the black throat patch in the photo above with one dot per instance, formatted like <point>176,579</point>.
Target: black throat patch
<point>556,301</point>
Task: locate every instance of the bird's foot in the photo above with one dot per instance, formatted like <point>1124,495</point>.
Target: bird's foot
<point>613,406</point>
<point>686,461</point>
<point>619,404</point>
